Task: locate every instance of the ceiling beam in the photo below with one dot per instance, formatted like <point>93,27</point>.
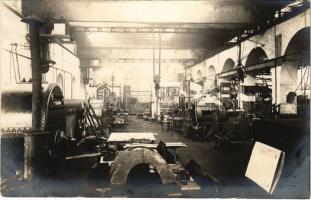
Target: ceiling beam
<point>136,53</point>
<point>265,64</point>
<point>137,30</point>
<point>77,29</point>
<point>146,60</point>
<point>127,24</point>
<point>87,63</point>
<point>147,47</point>
<point>137,48</point>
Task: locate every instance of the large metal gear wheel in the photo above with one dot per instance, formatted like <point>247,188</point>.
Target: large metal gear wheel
<point>48,97</point>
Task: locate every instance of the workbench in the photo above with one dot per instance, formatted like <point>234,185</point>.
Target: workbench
<point>169,124</point>
<point>172,145</point>
<point>127,137</point>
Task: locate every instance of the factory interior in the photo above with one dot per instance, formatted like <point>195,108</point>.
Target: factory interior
<point>155,99</point>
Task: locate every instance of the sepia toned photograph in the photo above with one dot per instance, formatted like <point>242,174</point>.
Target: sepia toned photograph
<point>155,99</point>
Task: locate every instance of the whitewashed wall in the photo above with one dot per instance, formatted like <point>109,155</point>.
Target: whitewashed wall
<point>15,31</point>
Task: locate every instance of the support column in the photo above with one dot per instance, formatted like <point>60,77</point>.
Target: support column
<point>189,94</point>
<point>29,142</point>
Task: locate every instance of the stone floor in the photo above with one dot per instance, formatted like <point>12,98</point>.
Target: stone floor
<point>223,175</point>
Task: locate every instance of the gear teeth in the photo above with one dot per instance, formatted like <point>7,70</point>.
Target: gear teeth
<point>46,97</point>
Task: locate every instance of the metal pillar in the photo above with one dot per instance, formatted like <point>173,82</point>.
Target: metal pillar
<point>157,108</point>
<point>189,95</point>
<point>29,142</point>
<point>240,66</point>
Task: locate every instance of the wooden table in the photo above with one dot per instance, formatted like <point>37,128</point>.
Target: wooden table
<point>127,137</point>
<point>168,123</point>
<point>172,145</point>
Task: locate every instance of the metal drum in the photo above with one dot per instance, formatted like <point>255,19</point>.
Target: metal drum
<point>74,111</point>
<point>16,104</point>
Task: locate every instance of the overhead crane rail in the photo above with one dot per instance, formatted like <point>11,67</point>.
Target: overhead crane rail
<point>138,30</point>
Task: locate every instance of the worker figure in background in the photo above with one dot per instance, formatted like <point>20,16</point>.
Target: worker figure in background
<point>233,94</point>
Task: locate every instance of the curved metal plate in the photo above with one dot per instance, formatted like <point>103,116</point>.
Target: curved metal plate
<point>128,159</point>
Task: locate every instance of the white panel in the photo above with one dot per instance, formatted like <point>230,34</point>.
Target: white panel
<point>263,167</point>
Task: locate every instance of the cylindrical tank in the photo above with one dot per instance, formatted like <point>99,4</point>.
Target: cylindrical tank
<point>16,103</point>
<point>74,111</point>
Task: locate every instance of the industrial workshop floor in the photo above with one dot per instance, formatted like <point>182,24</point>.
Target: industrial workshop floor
<point>223,174</point>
